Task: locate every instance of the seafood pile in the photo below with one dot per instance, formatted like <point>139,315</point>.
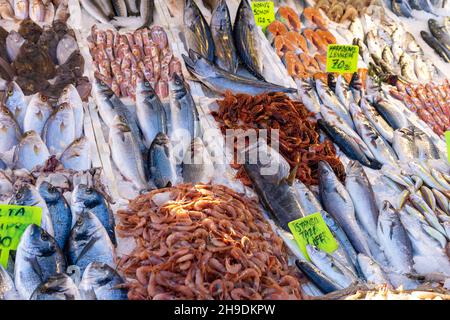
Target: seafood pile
<point>120,59</point>
<point>207,242</point>
<point>301,48</point>
<point>43,60</point>
<point>429,102</point>
<point>439,39</point>
<point>43,12</point>
<point>121,13</point>
<point>71,256</point>
<point>340,11</point>
<point>299,136</point>
<point>226,56</point>
<point>404,8</point>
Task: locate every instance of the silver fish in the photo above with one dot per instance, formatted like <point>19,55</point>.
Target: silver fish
<point>132,8</point>
<point>9,130</point>
<point>162,166</point>
<point>425,148</point>
<point>314,274</point>
<point>393,116</point>
<point>37,114</point>
<point>57,287</point>
<point>59,131</point>
<point>442,201</point>
<point>38,257</point>
<point>107,8</point>
<point>197,165</point>
<point>71,96</point>
<point>14,42</point>
<point>373,43</point>
<point>371,270</point>
<point>308,95</point>
<point>146,9</point>
<point>403,144</point>
<point>377,121</point>
<point>101,282</point>
<point>7,288</point>
<point>21,9</point>
<point>428,196</point>
<point>343,91</point>
<point>440,178</point>
<point>36,10</point>
<point>15,102</point>
<point>31,152</point>
<point>428,213</point>
<point>329,99</point>
<point>422,172</point>
<point>120,7</point>
<point>66,46</point>
<point>77,156</point>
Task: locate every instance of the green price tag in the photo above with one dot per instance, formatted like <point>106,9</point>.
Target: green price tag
<point>447,137</point>
<point>264,12</point>
<point>13,222</point>
<point>342,58</point>
<point>314,231</point>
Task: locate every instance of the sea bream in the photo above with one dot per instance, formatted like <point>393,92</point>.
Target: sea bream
<point>59,130</point>
<point>9,130</point>
<point>71,96</point>
<point>38,111</point>
<point>57,287</point>
<point>101,282</point>
<point>30,152</point>
<point>77,156</point>
<point>14,100</point>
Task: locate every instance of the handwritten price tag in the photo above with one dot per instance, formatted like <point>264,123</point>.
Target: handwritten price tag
<point>264,12</point>
<point>13,222</point>
<point>447,137</point>
<point>314,231</point>
<point>342,58</point>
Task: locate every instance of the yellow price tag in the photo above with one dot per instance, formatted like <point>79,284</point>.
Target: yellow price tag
<point>13,222</point>
<point>314,231</point>
<point>447,137</point>
<point>342,58</point>
<point>264,12</point>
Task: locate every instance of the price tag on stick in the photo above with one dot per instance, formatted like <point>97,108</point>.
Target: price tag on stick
<point>264,12</point>
<point>13,222</point>
<point>342,58</point>
<point>447,137</point>
<point>314,231</point>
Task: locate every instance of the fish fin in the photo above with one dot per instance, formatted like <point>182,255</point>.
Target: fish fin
<point>36,267</point>
<point>291,178</point>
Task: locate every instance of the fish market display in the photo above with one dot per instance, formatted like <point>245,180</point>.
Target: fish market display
<point>121,13</point>
<point>120,59</point>
<point>299,137</point>
<point>195,256</point>
<point>39,11</point>
<point>340,11</point>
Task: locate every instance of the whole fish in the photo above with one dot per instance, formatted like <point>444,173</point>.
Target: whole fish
<point>314,274</point>
<point>107,8</point>
<point>59,131</point>
<point>198,33</point>
<point>394,240</point>
<point>120,7</point>
<point>94,10</point>
<point>14,42</point>
<point>427,212</point>
<point>57,287</point>
<point>247,40</point>
<point>356,28</point>
<point>14,100</point>
<point>161,162</point>
<point>101,282</point>
<point>440,179</point>
<point>21,9</point>
<point>442,201</point>
<point>197,164</point>
<point>7,288</point>
<point>59,210</point>
<point>89,242</point>
<point>188,118</point>
<point>126,153</point>
<point>77,156</point>
<point>71,96</point>
<point>373,44</point>
<point>401,8</point>
<point>337,201</point>
<point>372,271</point>
<point>343,91</point>
<point>10,130</point>
<point>30,152</point>
<point>423,172</point>
<point>363,50</point>
<point>329,99</point>
<point>49,15</point>
<point>440,49</point>
<point>220,81</point>
<point>308,95</point>
<point>6,10</point>
<point>85,198</point>
<point>393,116</point>
<point>66,46</point>
<point>146,9</point>
<point>424,75</point>
<point>377,120</point>
<point>226,56</point>
<point>28,195</point>
<point>331,267</point>
<point>38,257</point>
<point>347,144</point>
<point>357,88</point>
<point>360,190</point>
<point>439,32</point>
<point>36,10</point>
<point>150,111</point>
<point>425,148</point>
<point>403,144</point>
<point>38,111</point>
<point>381,150</point>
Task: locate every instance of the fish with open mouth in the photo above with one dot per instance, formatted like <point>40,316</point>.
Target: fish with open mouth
<point>220,80</point>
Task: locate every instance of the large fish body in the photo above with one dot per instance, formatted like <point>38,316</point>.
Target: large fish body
<point>198,32</point>
<point>101,282</point>
<point>15,102</point>
<point>89,242</point>
<point>162,166</point>
<point>226,56</point>
<point>57,287</point>
<point>150,111</point>
<point>77,156</point>
<point>377,121</point>
<point>403,144</point>
<point>338,203</point>
<point>393,116</point>
<point>28,195</point>
<point>89,199</point>
<point>59,131</point>
<point>221,81</point>
<point>394,240</point>
<point>37,114</point>
<point>247,40</point>
<point>126,153</point>
<point>59,210</point>
<point>71,96</point>
<point>30,152</point>
<point>9,130</point>
<point>38,257</point>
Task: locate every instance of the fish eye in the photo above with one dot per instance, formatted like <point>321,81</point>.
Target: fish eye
<point>44,98</point>
<point>89,191</point>
<point>79,221</point>
<point>44,236</point>
<point>61,107</point>
<point>10,92</point>
<point>65,90</point>
<point>19,195</point>
<point>147,84</point>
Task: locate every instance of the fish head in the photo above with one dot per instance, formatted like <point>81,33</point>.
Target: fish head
<point>315,252</point>
<point>14,95</point>
<point>325,171</point>
<point>26,195</point>
<point>99,274</point>
<point>144,87</point>
<point>221,14</point>
<point>38,242</point>
<point>103,88</point>
<point>68,91</point>
<point>14,38</point>
<point>86,195</point>
<point>86,225</point>
<point>161,139</point>
<point>178,86</point>
<point>49,192</point>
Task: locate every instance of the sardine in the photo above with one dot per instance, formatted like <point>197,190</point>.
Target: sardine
<point>9,130</point>
<point>226,56</point>
<point>77,156</point>
<point>101,282</point>
<point>57,287</point>
<point>31,152</point>
<point>59,131</point>
<point>37,114</point>
<point>38,257</point>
